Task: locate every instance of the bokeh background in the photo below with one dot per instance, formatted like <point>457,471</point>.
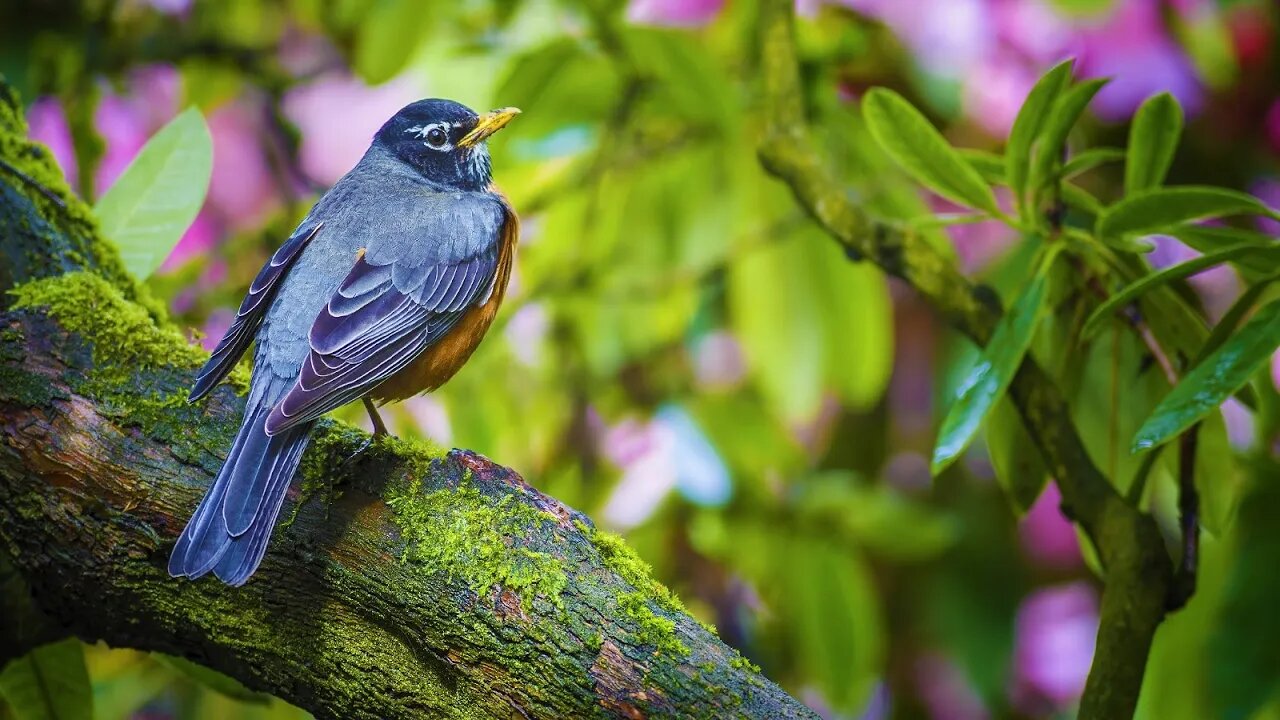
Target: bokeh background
<point>683,355</point>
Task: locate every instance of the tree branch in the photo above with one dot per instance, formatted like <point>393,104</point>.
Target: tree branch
<point>435,584</point>
<point>1138,569</point>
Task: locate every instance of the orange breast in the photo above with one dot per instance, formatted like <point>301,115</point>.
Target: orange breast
<point>440,361</point>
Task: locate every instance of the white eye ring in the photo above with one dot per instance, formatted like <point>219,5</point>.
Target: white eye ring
<point>435,136</point>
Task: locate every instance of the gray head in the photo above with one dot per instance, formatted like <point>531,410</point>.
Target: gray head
<point>444,141</point>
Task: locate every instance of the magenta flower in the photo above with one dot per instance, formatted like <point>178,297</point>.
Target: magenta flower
<point>1055,634</point>
<point>242,190</point>
<point>1048,538</point>
<point>673,13</point>
<point>1132,47</point>
<point>330,148</point>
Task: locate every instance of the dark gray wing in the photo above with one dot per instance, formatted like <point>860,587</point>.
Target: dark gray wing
<point>393,305</point>
<point>252,310</point>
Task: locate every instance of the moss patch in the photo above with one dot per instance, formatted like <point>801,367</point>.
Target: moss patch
<point>124,339</point>
<point>467,535</point>
<point>653,628</point>
<point>619,557</point>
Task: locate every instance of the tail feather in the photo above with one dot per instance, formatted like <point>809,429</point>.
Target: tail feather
<point>248,491</point>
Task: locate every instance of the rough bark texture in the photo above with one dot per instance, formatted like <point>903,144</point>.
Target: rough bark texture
<point>412,583</point>
<point>1139,573</point>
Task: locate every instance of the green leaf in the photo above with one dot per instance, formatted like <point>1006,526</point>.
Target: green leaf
<point>1169,274</point>
<point>916,146</point>
<point>154,200</point>
<point>1159,209</point>
<point>837,629</point>
<point>1080,199</point>
<point>1153,138</point>
<point>1048,150</point>
<point>1027,126</point>
<point>49,683</point>
<point>1089,159</point>
<point>988,164</point>
<point>1234,316</point>
<point>1240,670</point>
<point>1217,479</point>
<point>388,38</point>
<point>1017,463</point>
<point>990,377</point>
<point>1211,382</point>
<point>1208,238</point>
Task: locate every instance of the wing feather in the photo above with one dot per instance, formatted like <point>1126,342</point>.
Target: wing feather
<point>252,311</point>
<point>382,317</point>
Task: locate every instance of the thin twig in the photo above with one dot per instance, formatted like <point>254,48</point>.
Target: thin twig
<point>35,184</point>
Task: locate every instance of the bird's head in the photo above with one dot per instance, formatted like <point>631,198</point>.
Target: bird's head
<point>444,141</point>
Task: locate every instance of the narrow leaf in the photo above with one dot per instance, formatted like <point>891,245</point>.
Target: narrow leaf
<point>1214,380</point>
<point>49,683</point>
<point>1153,138</point>
<point>1027,125</point>
<point>153,202</point>
<point>1234,316</point>
<point>1169,274</point>
<point>1089,159</point>
<point>1063,116</point>
<point>1208,238</point>
<point>990,376</point>
<point>988,164</point>
<point>916,146</point>
<point>1159,209</point>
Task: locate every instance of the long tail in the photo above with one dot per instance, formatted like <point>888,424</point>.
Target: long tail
<point>229,531</point>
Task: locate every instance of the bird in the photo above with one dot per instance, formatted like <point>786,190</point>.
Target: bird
<point>382,292</point>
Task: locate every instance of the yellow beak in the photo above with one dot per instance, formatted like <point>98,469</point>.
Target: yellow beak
<point>488,124</point>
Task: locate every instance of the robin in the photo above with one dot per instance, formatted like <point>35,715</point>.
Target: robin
<point>382,292</point>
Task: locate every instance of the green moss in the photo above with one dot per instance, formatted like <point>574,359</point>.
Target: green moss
<point>467,535</point>
<point>653,629</point>
<point>124,339</point>
<point>619,557</point>
<point>741,663</point>
<point>124,335</point>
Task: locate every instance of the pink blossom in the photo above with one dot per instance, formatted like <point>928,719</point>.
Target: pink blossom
<point>946,692</point>
<point>338,115</point>
<point>1132,47</point>
<point>431,417</point>
<point>527,331</point>
<point>196,241</point>
<point>718,363</point>
<point>216,326</point>
<point>1055,634</point>
<point>48,124</point>
<point>1048,537</point>
<point>241,189</point>
<point>646,454</point>
<point>673,13</point>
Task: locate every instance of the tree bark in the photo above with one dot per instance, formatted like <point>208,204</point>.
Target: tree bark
<point>470,594</point>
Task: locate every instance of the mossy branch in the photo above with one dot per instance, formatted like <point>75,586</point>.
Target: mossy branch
<point>1138,569</point>
<point>424,584</point>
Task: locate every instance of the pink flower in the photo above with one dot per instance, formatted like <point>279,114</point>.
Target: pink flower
<point>338,115</point>
<point>1055,634</point>
<point>717,361</point>
<point>48,124</point>
<point>1048,537</point>
<point>1132,47</point>
<point>526,332</point>
<point>673,13</point>
<point>196,241</point>
<point>216,326</point>
<point>946,692</point>
<point>241,189</point>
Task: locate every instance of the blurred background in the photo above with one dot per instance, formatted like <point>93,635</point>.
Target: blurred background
<point>683,355</point>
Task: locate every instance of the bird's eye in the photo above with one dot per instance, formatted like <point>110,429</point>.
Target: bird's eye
<point>436,137</point>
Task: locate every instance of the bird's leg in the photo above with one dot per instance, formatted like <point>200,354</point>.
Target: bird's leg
<point>379,429</point>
